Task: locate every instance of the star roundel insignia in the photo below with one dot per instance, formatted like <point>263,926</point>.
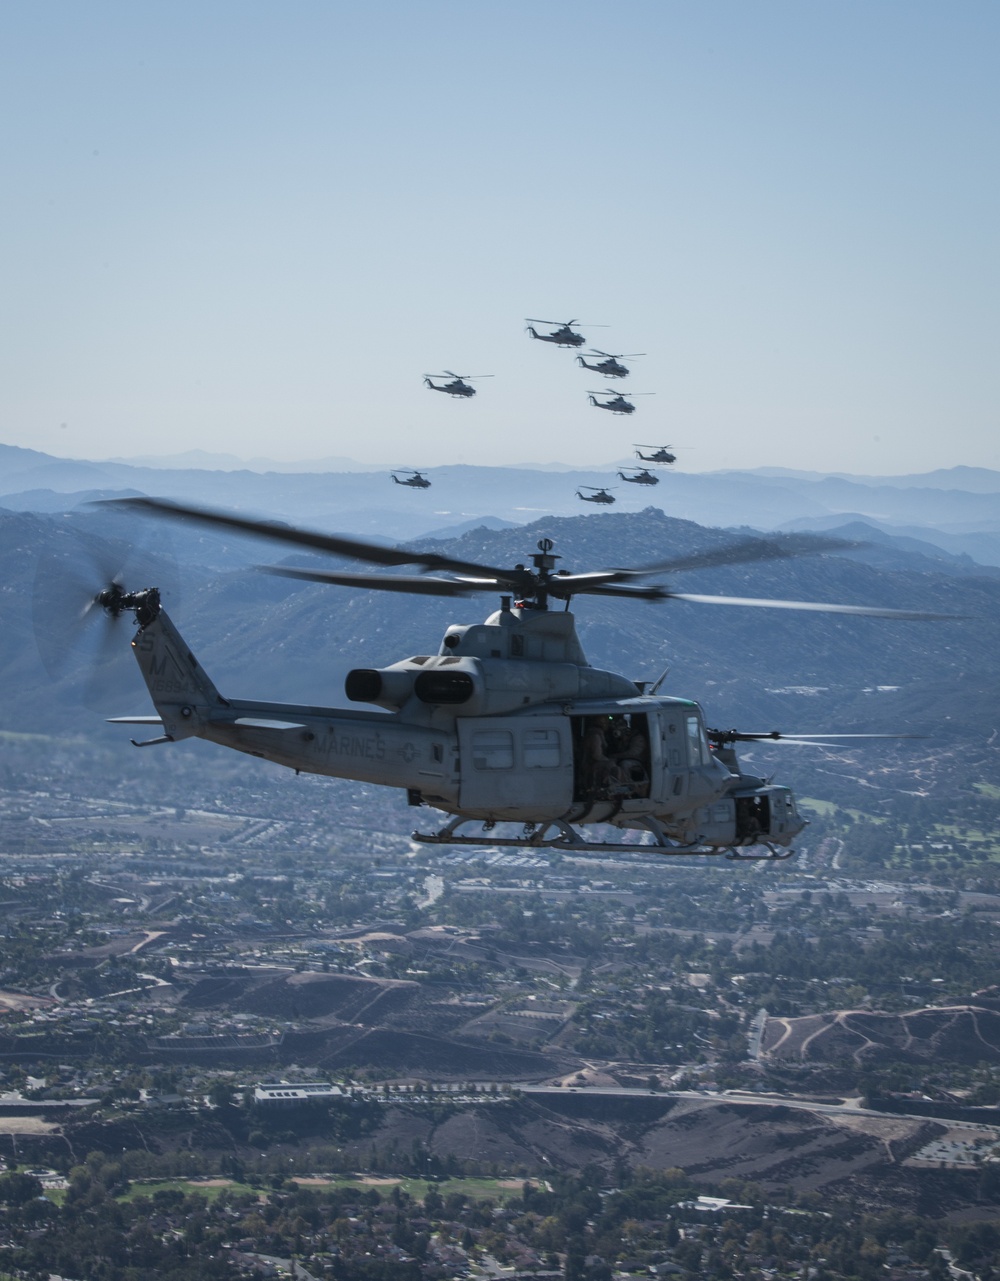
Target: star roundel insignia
<point>408,752</point>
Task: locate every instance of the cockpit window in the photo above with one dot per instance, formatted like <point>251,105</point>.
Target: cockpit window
<point>698,753</point>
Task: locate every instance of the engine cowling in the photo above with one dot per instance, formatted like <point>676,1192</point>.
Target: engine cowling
<point>433,681</point>
<point>385,687</point>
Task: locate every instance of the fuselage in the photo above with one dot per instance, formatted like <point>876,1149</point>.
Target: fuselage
<point>609,368</point>
<point>619,405</point>
<point>506,723</point>
<point>561,337</point>
<point>457,388</point>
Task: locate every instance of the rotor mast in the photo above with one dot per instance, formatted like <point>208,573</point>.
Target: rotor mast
<point>545,562</point>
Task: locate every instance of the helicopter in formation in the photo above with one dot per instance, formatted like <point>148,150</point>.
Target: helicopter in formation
<point>415,480</point>
<point>643,477</point>
<point>507,723</point>
<point>563,336</point>
<point>595,495</point>
<point>617,404</point>
<point>460,385</point>
<point>660,454</point>
<point>610,366</point>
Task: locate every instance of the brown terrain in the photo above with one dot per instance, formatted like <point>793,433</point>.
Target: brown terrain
<point>344,1021</point>
<point>953,1033</point>
<point>417,1031</point>
<point>712,1139</point>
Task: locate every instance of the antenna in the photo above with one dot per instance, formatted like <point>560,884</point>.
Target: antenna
<point>659,680</point>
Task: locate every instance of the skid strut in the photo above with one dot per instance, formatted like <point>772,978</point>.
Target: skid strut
<point>560,835</point>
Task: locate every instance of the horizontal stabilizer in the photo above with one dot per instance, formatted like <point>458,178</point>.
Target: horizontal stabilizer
<point>257,722</point>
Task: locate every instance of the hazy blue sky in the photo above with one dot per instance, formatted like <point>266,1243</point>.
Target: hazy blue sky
<point>252,227</point>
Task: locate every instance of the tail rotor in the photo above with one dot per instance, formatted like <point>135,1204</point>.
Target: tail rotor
<point>79,607</point>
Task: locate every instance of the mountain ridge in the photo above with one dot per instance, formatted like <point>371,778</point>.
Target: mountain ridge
<point>276,638</point>
<point>367,503</point>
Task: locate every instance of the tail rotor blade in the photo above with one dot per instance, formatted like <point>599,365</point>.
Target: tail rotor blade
<point>81,639</point>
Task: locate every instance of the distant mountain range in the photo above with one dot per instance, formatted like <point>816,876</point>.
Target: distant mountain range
<point>956,509</point>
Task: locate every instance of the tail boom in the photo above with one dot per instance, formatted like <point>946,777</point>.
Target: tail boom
<point>369,747</point>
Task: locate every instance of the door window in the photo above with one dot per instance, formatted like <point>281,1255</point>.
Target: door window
<point>541,749</point>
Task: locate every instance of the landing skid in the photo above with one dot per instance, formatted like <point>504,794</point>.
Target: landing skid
<point>560,835</point>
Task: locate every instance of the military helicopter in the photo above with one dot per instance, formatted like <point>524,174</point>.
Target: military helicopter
<point>617,404</point>
<point>415,480</point>
<point>660,454</point>
<point>459,386</point>
<point>564,335</point>
<point>596,495</point>
<point>643,477</point>
<point>610,366</point>
<point>507,722</point>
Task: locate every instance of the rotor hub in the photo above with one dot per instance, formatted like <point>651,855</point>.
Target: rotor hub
<point>115,600</point>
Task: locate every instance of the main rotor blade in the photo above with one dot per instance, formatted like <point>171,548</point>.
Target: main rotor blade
<point>751,549</point>
<point>561,587</point>
<point>377,582</point>
<point>871,611</point>
<point>582,582</point>
<point>485,577</point>
<point>335,544</point>
<point>622,589</point>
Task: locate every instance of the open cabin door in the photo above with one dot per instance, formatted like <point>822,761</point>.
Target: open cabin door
<point>515,763</point>
<point>613,757</point>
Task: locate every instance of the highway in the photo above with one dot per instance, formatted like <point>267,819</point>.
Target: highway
<point>848,1108</point>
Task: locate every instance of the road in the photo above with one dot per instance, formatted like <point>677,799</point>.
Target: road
<point>848,1108</point>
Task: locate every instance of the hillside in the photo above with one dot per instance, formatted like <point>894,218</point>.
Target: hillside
<point>966,1034</point>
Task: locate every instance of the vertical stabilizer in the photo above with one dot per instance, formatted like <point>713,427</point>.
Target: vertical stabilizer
<point>180,688</point>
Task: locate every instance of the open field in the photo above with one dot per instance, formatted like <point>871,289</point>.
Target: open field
<point>475,1189</point>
